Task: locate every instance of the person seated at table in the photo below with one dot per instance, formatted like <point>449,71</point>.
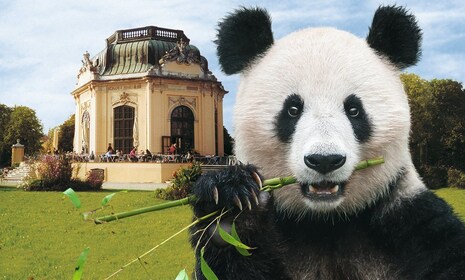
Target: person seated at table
<point>133,154</point>
<point>92,156</point>
<point>108,154</point>
<point>148,155</point>
<point>141,155</point>
<point>172,151</point>
<point>118,155</point>
<point>189,156</point>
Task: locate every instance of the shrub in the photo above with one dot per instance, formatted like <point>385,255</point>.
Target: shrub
<point>435,177</point>
<point>182,182</point>
<point>75,184</point>
<point>94,179</point>
<point>32,185</point>
<point>456,178</point>
<point>79,185</point>
<point>54,174</point>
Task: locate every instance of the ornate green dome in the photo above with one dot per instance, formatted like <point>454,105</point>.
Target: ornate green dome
<point>144,49</point>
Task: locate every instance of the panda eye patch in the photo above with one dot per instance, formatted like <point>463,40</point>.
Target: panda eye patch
<point>288,116</point>
<point>293,111</point>
<point>359,119</point>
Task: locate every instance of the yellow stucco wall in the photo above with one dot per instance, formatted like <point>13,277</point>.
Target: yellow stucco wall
<point>130,172</point>
<point>153,98</point>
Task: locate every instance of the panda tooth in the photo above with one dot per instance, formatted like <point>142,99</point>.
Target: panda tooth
<point>311,189</point>
<point>334,189</point>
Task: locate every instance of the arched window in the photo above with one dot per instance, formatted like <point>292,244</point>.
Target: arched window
<point>123,128</point>
<point>182,128</point>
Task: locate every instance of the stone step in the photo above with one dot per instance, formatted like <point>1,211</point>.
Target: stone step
<point>19,174</point>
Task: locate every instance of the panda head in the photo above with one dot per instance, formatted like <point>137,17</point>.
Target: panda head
<point>318,101</point>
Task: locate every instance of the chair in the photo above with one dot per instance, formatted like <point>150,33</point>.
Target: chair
<point>232,160</point>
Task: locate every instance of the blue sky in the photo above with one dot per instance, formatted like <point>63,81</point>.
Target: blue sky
<point>42,42</point>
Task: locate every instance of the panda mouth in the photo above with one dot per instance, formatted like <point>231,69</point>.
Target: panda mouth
<point>323,190</point>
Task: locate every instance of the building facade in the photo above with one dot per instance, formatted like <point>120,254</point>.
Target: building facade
<point>148,88</point>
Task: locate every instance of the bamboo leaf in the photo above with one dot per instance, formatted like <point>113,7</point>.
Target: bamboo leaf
<point>234,234</point>
<point>73,196</point>
<point>231,240</point>
<point>182,275</point>
<point>107,199</point>
<point>80,264</point>
<point>206,270</point>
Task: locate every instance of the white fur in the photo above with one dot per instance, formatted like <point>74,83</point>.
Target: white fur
<point>324,66</point>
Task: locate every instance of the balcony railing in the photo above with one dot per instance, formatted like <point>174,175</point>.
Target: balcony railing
<point>148,32</point>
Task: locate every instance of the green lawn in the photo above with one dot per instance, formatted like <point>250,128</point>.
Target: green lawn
<point>42,236</point>
<point>456,198</point>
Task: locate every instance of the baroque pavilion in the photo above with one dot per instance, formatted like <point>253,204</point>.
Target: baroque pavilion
<point>148,88</point>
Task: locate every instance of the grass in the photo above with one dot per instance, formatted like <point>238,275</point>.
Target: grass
<point>456,198</point>
<point>42,236</point>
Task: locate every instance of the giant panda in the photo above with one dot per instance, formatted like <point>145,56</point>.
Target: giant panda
<point>313,104</point>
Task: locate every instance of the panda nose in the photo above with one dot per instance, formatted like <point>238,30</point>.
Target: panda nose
<point>324,163</point>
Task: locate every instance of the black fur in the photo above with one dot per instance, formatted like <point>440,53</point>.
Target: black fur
<point>234,180</point>
<point>241,37</point>
<point>226,262</point>
<point>361,124</point>
<point>395,33</point>
<point>415,238</point>
<point>285,123</point>
<point>424,238</point>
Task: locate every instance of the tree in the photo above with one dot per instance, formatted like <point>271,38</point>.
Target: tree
<point>5,148</point>
<point>420,100</point>
<point>449,124</point>
<point>24,125</point>
<point>228,142</point>
<point>438,126</point>
<point>47,145</point>
<point>66,135</point>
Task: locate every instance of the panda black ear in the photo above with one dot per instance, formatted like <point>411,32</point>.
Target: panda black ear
<point>242,36</point>
<point>395,34</point>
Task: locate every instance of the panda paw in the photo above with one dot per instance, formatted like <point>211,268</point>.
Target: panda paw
<point>236,187</point>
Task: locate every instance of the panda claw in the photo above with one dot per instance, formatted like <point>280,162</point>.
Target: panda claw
<point>215,195</point>
<point>255,198</point>
<point>257,179</point>
<point>237,201</point>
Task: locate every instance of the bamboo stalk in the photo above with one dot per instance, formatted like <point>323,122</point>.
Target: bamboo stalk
<point>268,185</point>
<point>278,181</point>
<point>369,162</point>
<point>174,203</point>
